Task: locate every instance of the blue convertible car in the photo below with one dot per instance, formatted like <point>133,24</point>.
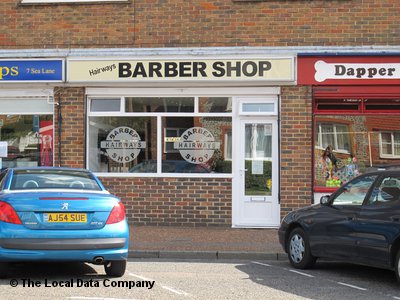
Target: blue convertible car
<point>60,214</point>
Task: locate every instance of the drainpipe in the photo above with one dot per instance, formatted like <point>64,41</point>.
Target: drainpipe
<point>59,130</point>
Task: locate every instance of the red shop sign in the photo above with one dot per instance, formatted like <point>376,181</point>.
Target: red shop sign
<point>348,70</point>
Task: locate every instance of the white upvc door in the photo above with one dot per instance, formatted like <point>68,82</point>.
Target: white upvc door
<point>256,173</point>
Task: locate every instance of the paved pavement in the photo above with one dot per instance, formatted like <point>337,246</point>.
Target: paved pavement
<point>204,242</point>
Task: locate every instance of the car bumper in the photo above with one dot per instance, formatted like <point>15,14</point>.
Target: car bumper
<point>20,244</point>
<point>8,255</point>
<point>282,235</point>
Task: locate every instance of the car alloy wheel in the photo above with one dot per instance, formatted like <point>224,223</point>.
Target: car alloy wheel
<point>299,251</point>
<point>296,248</point>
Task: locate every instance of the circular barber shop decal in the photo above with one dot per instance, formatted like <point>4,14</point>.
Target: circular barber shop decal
<point>196,145</point>
<point>123,144</point>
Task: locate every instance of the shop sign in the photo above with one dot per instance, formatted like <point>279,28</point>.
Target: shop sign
<point>348,70</point>
<point>268,69</point>
<point>123,144</point>
<point>33,70</point>
<point>197,145</point>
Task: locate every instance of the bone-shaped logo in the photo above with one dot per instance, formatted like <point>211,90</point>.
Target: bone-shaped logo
<point>324,71</point>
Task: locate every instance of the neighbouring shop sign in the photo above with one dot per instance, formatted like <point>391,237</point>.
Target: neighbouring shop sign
<point>268,69</point>
<point>348,70</point>
<point>32,70</point>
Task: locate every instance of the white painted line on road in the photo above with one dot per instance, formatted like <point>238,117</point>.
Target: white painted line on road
<point>140,277</point>
<point>178,292</point>
<point>262,264</point>
<point>98,298</point>
<point>352,286</point>
<point>396,297</point>
<point>301,273</point>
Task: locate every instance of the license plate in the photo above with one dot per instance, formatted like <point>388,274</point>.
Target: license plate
<point>65,218</point>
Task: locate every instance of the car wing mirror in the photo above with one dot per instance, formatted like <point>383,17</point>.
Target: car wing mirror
<point>324,200</point>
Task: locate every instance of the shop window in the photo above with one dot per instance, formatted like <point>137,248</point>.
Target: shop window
<point>389,144</point>
<point>171,135</point>
<point>105,105</point>
<point>29,140</point>
<point>159,104</point>
<point>362,135</point>
<point>122,144</point>
<point>215,104</point>
<point>159,135</point>
<point>199,146</point>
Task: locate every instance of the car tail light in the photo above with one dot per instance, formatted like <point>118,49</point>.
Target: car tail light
<point>117,214</point>
<point>8,214</point>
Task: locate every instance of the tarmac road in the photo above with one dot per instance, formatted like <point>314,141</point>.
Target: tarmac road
<point>199,279</point>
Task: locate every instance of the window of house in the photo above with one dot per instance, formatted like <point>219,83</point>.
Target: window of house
<point>160,135</point>
<point>337,135</point>
<point>389,144</point>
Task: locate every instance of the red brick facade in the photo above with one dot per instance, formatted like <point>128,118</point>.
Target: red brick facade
<point>197,23</point>
<point>296,145</point>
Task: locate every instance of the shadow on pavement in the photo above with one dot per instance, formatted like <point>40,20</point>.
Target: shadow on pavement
<point>53,270</point>
<point>324,283</point>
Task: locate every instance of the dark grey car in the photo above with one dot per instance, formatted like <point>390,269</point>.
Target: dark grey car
<point>359,223</point>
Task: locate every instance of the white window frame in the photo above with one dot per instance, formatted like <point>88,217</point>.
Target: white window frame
<point>242,102</point>
<point>384,155</point>
<point>335,137</point>
<point>160,149</point>
<point>236,93</point>
<point>67,1</point>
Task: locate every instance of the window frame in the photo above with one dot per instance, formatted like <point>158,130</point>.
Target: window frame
<point>354,101</point>
<point>392,143</point>
<point>159,116</point>
<point>335,136</point>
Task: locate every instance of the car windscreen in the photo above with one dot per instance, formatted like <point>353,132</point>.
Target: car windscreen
<point>53,179</point>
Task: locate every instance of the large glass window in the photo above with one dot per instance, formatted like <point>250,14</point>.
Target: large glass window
<point>351,143</point>
<point>161,135</point>
<point>29,140</point>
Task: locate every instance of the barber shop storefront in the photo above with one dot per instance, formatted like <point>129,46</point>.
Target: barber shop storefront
<point>191,142</point>
<point>356,110</point>
<point>27,111</point>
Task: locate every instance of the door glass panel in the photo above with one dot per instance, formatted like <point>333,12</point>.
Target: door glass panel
<point>258,159</point>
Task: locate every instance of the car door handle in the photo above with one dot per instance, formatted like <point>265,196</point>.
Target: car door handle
<point>395,218</point>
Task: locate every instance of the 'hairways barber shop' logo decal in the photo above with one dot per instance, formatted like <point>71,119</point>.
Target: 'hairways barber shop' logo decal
<point>123,144</point>
<point>196,145</point>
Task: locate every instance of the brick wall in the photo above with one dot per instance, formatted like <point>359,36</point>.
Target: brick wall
<point>174,201</point>
<point>71,103</point>
<point>296,147</point>
<point>199,23</point>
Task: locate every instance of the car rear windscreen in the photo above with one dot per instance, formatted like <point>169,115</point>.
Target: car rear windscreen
<point>53,179</point>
